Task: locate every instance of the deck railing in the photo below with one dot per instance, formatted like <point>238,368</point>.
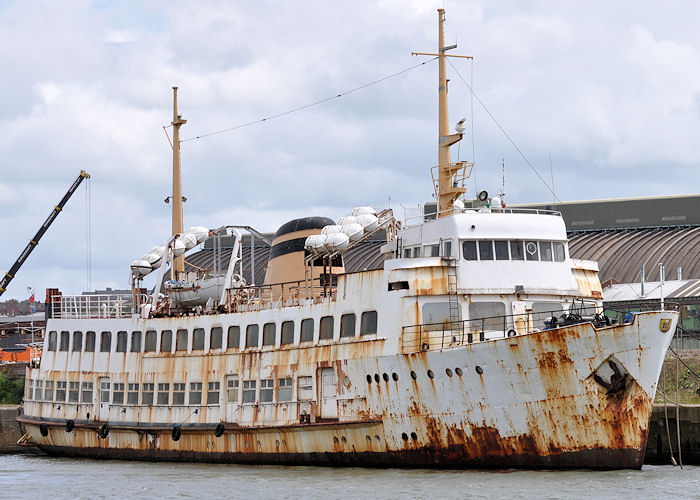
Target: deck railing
<point>93,306</point>
<point>291,293</point>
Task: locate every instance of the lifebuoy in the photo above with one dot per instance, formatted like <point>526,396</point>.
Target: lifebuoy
<point>176,433</point>
<point>104,431</point>
<point>220,428</point>
<point>43,430</point>
<point>512,332</point>
<point>70,425</point>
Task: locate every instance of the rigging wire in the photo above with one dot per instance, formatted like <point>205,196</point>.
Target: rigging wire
<point>504,132</point>
<point>471,117</point>
<point>306,106</point>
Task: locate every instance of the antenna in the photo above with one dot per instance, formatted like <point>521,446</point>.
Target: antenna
<point>503,177</point>
<point>551,173</point>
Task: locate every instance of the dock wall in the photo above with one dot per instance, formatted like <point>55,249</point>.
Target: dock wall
<point>9,429</point>
<point>658,449</point>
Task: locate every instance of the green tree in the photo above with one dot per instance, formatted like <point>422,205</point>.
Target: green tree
<point>11,391</point>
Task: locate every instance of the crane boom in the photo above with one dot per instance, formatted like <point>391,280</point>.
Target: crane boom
<point>35,240</point>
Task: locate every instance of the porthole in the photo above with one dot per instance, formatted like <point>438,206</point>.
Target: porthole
<point>277,443</point>
<point>431,374</point>
<point>335,439</point>
<point>369,439</point>
<point>346,380</point>
<point>395,376</point>
<point>284,442</point>
<point>369,379</point>
<point>342,438</point>
<point>259,446</point>
<point>377,438</point>
<point>479,370</point>
<point>413,375</point>
<point>385,377</point>
<point>414,436</point>
<point>458,371</point>
<point>448,372</point>
<point>404,436</point>
<point>376,377</point>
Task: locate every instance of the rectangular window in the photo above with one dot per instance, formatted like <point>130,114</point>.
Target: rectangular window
<point>306,392</point>
<point>284,389</point>
<point>232,384</point>
<point>135,341</point>
<point>118,394</point>
<point>307,330</point>
<point>542,311</point>
<point>48,390</point>
<point>73,392</point>
<point>416,252</point>
<point>30,390</point>
<point>39,390</point>
<point>89,341</point>
<point>163,394</point>
<point>249,390</point>
<point>87,393</point>
<point>326,328</point>
<point>52,340</point>
<point>447,249</point>
<point>486,250</point>
<point>166,341</point>
<point>213,393</point>
<point>516,250</point>
<point>558,251</point>
<point>65,340</point>
<point>147,394</point>
<point>233,339</point>
<point>251,336</point>
<point>501,250</point>
<point>198,339</point>
<point>431,250</point>
<point>347,325</point>
<point>195,393</point>
<point>407,253</point>
<point>121,341</point>
<point>106,342</point>
<point>531,250</point>
<point>469,250</point>
<point>60,391</point>
<point>368,323</point>
<point>77,341</point>
<point>181,340</point>
<point>178,394</point>
<point>267,388</point>
<point>546,251</point>
<point>215,337</point>
<point>287,333</point>
<point>132,395</point>
<point>487,316</point>
<point>269,334</point>
<point>104,391</point>
<point>151,340</point>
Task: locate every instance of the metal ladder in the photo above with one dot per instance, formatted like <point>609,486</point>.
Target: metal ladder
<point>455,309</point>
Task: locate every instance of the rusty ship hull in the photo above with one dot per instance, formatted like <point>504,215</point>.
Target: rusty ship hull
<point>528,401</point>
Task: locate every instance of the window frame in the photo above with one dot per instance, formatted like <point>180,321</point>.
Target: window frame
<point>252,332</point>
<point>77,341</point>
<point>470,254</point>
<point>198,338</point>
<point>306,330</point>
<point>106,341</point>
<point>323,328</point>
<point>269,333</point>
<point>368,314</point>
<point>348,325</point>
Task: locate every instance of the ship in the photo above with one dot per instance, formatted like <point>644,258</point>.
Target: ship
<point>478,343</point>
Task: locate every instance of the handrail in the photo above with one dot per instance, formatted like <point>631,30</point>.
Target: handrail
<point>423,217</point>
<point>94,306</point>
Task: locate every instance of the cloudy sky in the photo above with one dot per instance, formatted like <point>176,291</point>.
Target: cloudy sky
<point>608,89</point>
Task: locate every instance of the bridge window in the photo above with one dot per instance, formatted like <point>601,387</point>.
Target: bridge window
<point>486,316</point>
<point>516,250</point>
<point>284,389</point>
<point>106,342</point>
<point>181,340</point>
<point>347,325</point>
<point>198,339</point>
<point>269,334</point>
<point>251,336</point>
<point>121,341</point>
<point>151,341</point>
<point>73,392</point>
<point>77,341</point>
<point>447,248</point>
<point>118,394</point>
<point>249,390</point>
<point>147,394</point>
<point>163,394</point>
<point>178,393</point>
<point>407,253</point>
<point>431,250</point>
<point>531,250</point>
<point>65,340</point>
<point>195,393</point>
<point>368,323</point>
<point>213,393</point>
<point>486,250</point>
<point>166,341</point>
<point>307,330</point>
<point>326,327</point>
<point>501,250</point>
<point>52,340</point>
<point>135,341</point>
<point>545,251</point>
<point>558,251</point>
<point>89,341</point>
<point>469,250</point>
<point>232,385</point>
<point>233,341</point>
<point>215,338</point>
<point>287,332</point>
<point>132,395</point>
<point>267,387</point>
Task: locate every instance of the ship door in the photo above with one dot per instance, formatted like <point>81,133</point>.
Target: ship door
<point>104,399</point>
<point>329,393</point>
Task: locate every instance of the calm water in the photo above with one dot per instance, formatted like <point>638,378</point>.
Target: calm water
<point>31,477</point>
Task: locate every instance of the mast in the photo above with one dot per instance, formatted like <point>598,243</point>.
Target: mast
<point>450,176</point>
<point>178,262</point>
